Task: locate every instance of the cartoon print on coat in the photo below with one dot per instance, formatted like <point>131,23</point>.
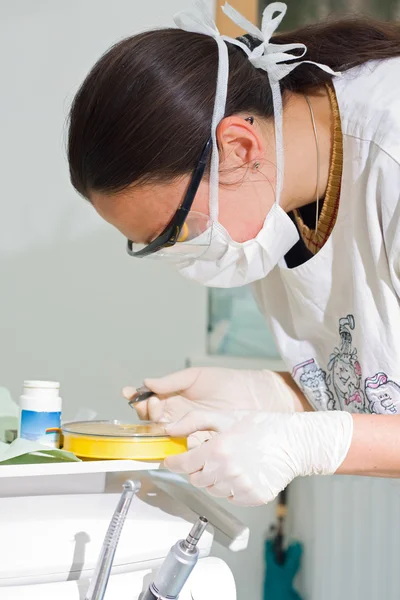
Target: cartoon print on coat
<point>346,376</point>
<point>312,381</point>
<point>382,394</point>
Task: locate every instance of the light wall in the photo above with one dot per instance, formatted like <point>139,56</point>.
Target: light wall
<point>74,307</point>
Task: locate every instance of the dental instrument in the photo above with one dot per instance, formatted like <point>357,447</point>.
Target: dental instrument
<point>177,566</point>
<point>142,393</point>
<point>99,581</point>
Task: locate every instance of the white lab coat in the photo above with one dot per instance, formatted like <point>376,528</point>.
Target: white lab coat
<point>336,318</point>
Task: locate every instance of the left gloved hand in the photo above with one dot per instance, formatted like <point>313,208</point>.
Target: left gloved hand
<point>257,454</point>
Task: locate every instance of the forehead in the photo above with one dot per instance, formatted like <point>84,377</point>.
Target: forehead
<point>146,208</point>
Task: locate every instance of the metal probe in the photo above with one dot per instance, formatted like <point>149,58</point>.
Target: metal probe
<point>99,581</point>
<point>142,393</point>
<point>177,566</point>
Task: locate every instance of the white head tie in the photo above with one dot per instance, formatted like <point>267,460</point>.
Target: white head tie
<point>275,59</point>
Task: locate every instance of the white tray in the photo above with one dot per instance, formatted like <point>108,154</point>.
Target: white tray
<point>76,468</point>
<point>91,477</point>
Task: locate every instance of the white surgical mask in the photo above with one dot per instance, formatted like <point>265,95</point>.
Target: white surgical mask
<point>226,263</point>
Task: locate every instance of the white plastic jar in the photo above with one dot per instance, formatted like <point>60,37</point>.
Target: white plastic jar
<point>40,413</point>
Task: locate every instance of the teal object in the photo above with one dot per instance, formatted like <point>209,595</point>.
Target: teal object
<point>236,327</point>
<point>278,584</point>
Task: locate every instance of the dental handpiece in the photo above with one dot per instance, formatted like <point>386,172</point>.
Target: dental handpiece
<point>177,566</point>
<point>99,581</point>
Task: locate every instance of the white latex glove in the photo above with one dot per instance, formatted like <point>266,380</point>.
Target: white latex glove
<point>214,389</point>
<point>256,455</point>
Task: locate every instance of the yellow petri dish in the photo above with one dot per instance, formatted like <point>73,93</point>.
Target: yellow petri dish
<point>115,440</point>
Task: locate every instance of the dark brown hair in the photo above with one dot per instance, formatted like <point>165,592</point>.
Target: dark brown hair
<point>144,111</point>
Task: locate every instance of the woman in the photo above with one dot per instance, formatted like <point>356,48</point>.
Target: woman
<point>158,120</point>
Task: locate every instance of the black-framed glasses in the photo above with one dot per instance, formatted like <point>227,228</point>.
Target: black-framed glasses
<point>172,232</point>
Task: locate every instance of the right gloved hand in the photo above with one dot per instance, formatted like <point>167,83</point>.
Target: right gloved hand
<point>254,455</point>
<point>215,389</point>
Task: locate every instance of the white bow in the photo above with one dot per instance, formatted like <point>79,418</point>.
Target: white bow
<point>268,56</point>
<point>275,59</point>
<point>197,23</point>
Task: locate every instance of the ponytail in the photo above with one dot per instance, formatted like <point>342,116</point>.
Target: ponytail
<point>144,111</point>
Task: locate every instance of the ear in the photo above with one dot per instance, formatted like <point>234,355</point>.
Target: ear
<point>239,141</point>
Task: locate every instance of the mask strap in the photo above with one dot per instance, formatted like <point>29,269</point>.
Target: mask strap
<point>204,23</point>
<point>275,59</point>
<point>218,115</point>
